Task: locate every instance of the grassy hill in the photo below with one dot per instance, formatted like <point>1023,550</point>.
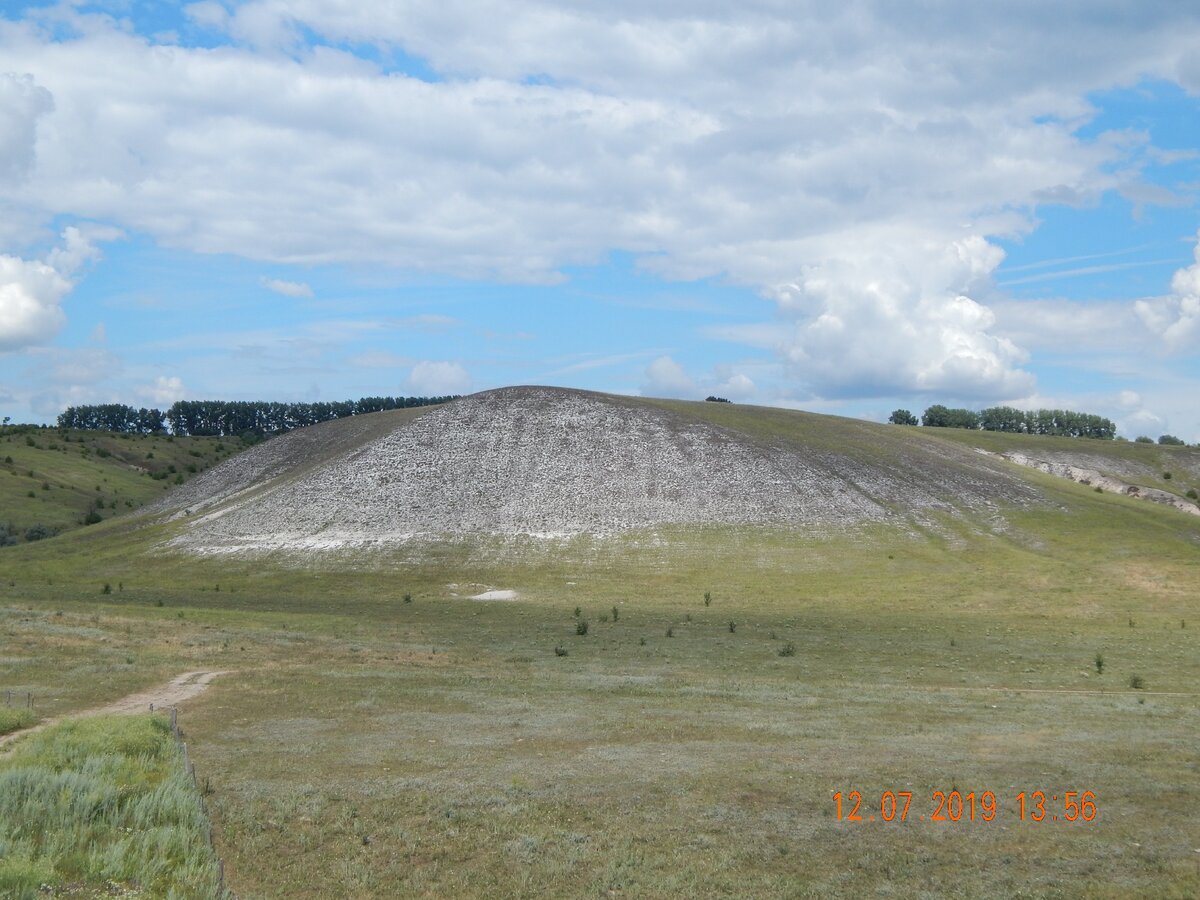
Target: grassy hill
<point>669,711</point>
<point>55,479</point>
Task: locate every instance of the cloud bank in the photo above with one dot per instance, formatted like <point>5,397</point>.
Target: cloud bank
<point>856,164</point>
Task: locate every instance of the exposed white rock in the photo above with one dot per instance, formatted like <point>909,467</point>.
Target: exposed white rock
<point>551,463</point>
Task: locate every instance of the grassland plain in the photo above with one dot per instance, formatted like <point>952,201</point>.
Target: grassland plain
<point>365,746</point>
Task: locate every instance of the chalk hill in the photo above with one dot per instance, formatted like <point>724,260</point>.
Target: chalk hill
<point>553,462</point>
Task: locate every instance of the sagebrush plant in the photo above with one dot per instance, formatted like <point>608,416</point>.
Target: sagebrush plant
<point>581,627</point>
<point>93,803</point>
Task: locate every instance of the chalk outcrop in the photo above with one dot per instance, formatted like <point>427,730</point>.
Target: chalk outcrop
<point>553,463</point>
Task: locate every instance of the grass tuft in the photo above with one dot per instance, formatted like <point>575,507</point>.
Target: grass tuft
<point>95,802</point>
<point>14,719</point>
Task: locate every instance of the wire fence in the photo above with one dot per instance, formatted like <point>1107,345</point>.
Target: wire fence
<point>25,702</point>
<point>190,769</point>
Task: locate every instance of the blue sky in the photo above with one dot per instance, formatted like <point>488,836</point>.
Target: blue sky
<point>840,209</point>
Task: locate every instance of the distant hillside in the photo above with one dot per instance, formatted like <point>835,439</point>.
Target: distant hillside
<point>554,462</point>
<point>53,480</point>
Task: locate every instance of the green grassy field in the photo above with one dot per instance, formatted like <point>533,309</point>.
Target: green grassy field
<point>54,477</point>
<point>365,746</point>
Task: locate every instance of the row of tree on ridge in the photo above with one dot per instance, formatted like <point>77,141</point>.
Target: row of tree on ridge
<point>1059,422</point>
<point>219,418</point>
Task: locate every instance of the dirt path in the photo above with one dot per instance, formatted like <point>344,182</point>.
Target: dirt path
<point>178,689</point>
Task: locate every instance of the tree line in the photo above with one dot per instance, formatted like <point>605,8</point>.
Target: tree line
<point>219,418</point>
<point>1059,422</point>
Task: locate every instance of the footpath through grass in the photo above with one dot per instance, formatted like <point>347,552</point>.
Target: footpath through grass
<point>96,806</point>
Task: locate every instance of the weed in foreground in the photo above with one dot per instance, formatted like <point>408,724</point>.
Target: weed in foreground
<point>95,802</point>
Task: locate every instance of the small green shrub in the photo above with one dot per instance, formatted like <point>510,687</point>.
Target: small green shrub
<point>561,651</point>
<point>670,632</point>
<point>1192,495</point>
<point>581,627</point>
<point>407,598</point>
<point>40,532</point>
<point>788,649</point>
<point>578,612</point>
<point>707,598</point>
<point>1167,476</point>
<point>1099,664</point>
<point>15,718</point>
<point>1137,682</point>
<point>616,614</point>
<point>107,589</point>
<point>732,626</point>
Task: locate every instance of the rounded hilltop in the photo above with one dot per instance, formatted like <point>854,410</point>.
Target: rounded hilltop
<point>557,462</point>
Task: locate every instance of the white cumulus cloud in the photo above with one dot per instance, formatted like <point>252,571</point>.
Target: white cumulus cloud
<point>287,288</point>
<point>896,316</point>
<point>438,378</point>
<point>32,291</point>
<point>163,391</point>
<point>666,378</point>
<point>22,103</point>
<point>30,294</point>
<point>1176,318</point>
